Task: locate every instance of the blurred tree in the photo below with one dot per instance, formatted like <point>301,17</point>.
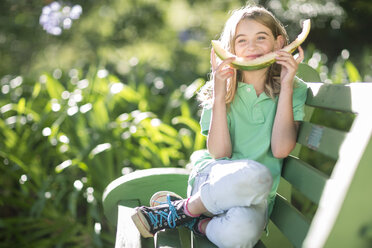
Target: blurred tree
<point>110,33</point>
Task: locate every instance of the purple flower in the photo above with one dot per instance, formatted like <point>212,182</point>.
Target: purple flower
<point>55,17</point>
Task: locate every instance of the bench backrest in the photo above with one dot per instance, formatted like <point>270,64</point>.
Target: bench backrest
<point>321,146</point>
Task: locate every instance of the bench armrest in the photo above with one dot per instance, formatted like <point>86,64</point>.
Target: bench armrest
<point>136,188</point>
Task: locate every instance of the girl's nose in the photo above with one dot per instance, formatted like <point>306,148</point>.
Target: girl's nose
<point>251,45</point>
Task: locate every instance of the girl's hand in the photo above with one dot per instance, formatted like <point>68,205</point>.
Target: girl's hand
<point>289,67</point>
<point>221,73</point>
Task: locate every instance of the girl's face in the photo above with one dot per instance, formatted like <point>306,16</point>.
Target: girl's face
<point>254,39</point>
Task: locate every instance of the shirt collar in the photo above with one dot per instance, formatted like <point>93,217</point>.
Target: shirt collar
<point>242,86</point>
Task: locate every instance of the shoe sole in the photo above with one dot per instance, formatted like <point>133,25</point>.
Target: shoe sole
<point>161,196</point>
<point>142,225</point>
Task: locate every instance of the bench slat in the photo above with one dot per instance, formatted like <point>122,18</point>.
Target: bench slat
<point>329,96</point>
<point>290,221</point>
<point>168,238</point>
<point>352,98</point>
<point>322,139</point>
<point>260,245</point>
<point>202,242</point>
<point>304,178</point>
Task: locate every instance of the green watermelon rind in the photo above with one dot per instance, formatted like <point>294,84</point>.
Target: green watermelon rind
<point>263,61</point>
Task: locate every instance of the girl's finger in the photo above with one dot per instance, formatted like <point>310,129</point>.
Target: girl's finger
<point>226,75</point>
<point>285,56</point>
<point>213,60</point>
<point>224,72</point>
<point>301,56</point>
<point>290,61</point>
<point>283,53</point>
<point>225,63</point>
<point>287,64</point>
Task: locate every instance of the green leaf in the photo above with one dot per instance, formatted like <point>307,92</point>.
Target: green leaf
<point>193,88</point>
<point>352,72</point>
<point>36,90</point>
<point>54,87</point>
<point>185,110</point>
<point>99,149</point>
<point>199,141</point>
<point>129,94</point>
<point>100,117</point>
<point>191,123</point>
<point>187,141</point>
<point>167,129</point>
<point>21,106</point>
<point>11,137</point>
<point>164,156</point>
<point>307,73</point>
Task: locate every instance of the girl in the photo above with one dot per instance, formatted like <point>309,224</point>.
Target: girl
<point>251,120</point>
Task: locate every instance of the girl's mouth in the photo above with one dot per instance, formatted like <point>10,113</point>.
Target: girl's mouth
<point>253,56</point>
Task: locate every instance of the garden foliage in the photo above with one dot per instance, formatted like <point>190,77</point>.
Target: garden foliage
<point>113,93</point>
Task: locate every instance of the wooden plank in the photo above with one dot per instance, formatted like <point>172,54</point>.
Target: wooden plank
<point>290,221</point>
<point>260,245</point>
<point>344,208</point>
<point>185,237</point>
<point>167,239</point>
<point>353,98</point>
<point>201,242</point>
<point>305,178</point>
<point>275,238</point>
<point>321,139</point>
<point>127,235</point>
<point>179,237</point>
<point>353,226</point>
<point>329,96</point>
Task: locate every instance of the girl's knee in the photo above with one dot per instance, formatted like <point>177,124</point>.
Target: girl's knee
<point>250,222</point>
<point>257,173</point>
<point>243,227</point>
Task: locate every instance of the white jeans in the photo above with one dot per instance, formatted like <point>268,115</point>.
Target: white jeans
<point>235,192</point>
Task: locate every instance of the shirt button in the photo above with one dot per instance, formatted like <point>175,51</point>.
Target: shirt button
<point>249,89</point>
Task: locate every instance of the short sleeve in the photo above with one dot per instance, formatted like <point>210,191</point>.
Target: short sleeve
<point>205,120</point>
<point>299,98</point>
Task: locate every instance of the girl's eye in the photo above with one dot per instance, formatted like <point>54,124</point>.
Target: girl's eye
<point>261,38</point>
<point>241,41</point>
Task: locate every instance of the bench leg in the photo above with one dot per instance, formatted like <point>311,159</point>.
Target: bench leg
<point>127,235</point>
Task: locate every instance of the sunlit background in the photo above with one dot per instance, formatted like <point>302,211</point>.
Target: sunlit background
<point>91,90</point>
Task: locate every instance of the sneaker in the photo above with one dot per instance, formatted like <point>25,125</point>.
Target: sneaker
<point>160,197</point>
<point>150,220</point>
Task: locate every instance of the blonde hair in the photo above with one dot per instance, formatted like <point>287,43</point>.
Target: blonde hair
<point>227,38</point>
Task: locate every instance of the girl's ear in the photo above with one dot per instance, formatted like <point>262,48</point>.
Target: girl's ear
<point>279,42</point>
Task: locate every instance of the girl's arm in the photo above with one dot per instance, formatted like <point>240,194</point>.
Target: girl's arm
<point>218,142</point>
<point>284,133</point>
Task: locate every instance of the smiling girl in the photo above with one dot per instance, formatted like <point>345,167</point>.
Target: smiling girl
<point>251,120</point>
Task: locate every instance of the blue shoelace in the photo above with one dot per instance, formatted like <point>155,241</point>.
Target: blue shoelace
<point>171,217</point>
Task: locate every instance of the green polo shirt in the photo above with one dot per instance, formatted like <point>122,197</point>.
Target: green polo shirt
<point>250,121</point>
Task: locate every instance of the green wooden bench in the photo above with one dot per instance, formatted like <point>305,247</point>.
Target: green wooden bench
<point>339,195</point>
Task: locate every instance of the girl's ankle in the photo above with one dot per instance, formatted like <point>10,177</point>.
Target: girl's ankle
<point>187,211</point>
<point>202,225</point>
